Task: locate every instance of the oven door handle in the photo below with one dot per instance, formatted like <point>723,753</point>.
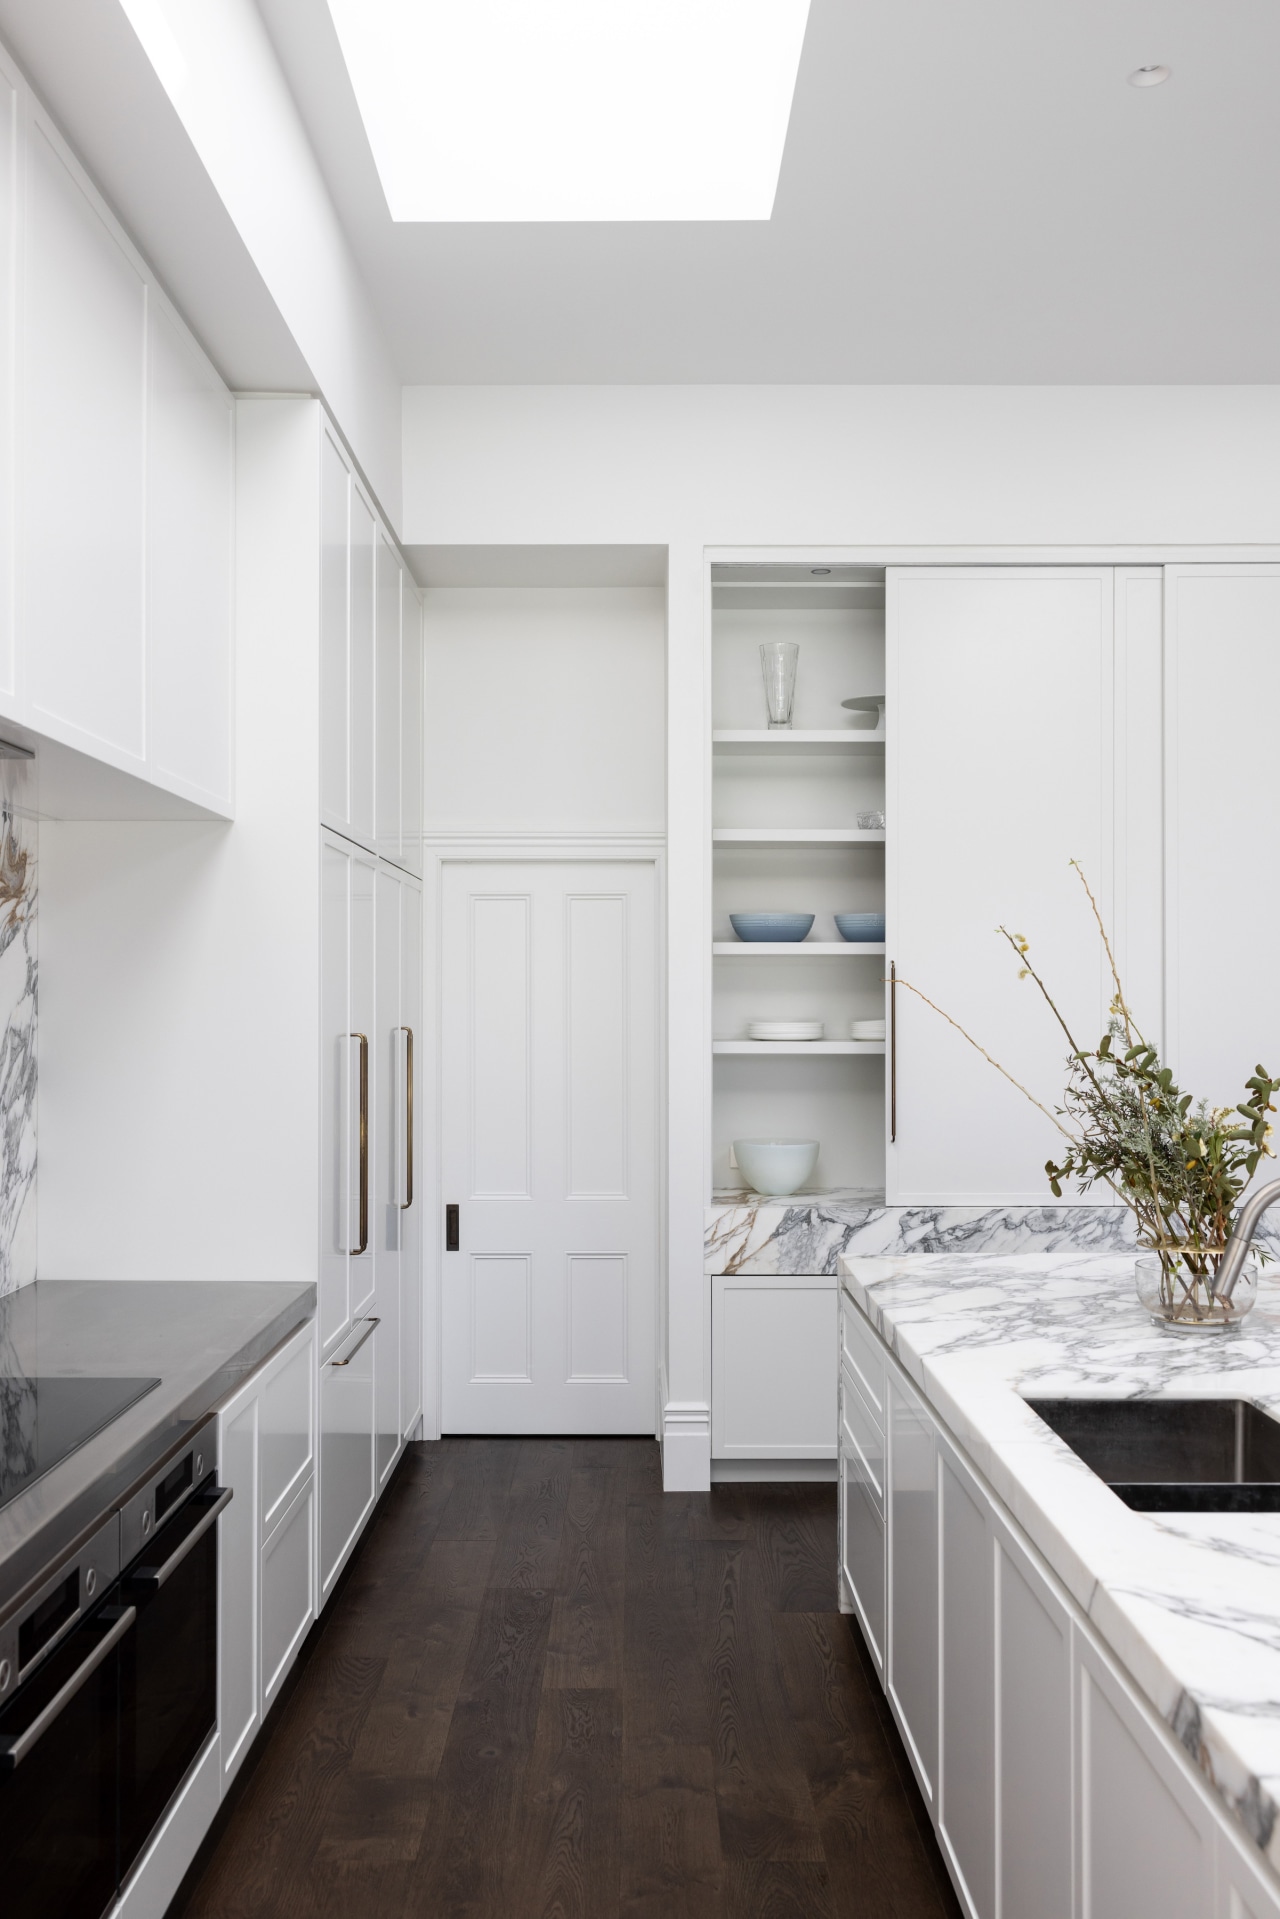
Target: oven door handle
<point>14,1748</point>
<point>151,1578</point>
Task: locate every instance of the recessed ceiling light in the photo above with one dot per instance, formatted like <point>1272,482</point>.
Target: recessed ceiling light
<point>1149,76</point>
<point>574,110</point>
<point>819,572</point>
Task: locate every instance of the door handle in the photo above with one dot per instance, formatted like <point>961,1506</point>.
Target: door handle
<point>363,1042</point>
<point>15,1747</point>
<point>153,1577</point>
<point>893,1052</point>
<point>451,1234</point>
<point>352,1350</point>
<point>408,1117</point>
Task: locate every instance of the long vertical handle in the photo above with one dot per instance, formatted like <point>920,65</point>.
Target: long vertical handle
<point>893,1052</point>
<point>363,1042</point>
<point>408,1117</point>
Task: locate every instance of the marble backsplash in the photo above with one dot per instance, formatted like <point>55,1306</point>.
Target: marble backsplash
<point>18,1005</point>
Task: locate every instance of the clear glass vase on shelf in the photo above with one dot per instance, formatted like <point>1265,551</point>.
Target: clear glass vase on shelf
<point>1176,1288</point>
<point>778,665</point>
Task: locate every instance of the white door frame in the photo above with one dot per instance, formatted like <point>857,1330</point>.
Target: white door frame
<point>454,849</point>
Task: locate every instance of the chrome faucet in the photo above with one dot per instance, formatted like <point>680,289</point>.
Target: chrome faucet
<point>1237,1248</point>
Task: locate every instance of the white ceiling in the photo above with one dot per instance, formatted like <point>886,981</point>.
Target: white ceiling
<point>969,193</point>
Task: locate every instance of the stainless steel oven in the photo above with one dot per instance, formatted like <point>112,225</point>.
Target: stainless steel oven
<point>110,1693</point>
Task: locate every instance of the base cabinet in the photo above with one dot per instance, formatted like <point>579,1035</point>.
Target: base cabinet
<point>1055,1791</point>
<point>773,1389</point>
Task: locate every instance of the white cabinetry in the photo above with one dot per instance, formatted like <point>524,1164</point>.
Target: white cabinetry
<point>1054,1789</point>
<point>116,505</point>
<point>983,838</point>
<point>396,1169</point>
<point>266,1564</point>
<point>773,1383</point>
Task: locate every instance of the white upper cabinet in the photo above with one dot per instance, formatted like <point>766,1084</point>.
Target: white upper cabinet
<point>411,725</point>
<point>1222,821</point>
<point>389,772</point>
<point>116,489</point>
<point>999,721</point>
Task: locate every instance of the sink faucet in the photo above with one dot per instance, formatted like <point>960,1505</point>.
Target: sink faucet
<point>1224,1283</point>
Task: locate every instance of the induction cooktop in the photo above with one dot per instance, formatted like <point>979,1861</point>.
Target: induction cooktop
<point>44,1420</point>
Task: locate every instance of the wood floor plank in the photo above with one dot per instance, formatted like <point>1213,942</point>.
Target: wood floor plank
<point>585,1648</point>
<point>563,1859</point>
<point>672,1866</point>
<point>796,1531</point>
<point>779,1889</point>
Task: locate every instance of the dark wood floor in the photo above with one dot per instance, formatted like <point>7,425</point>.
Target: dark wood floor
<point>549,1691</point>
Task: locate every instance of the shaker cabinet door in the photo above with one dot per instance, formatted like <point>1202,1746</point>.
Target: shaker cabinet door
<point>998,771</point>
<point>912,1678</point>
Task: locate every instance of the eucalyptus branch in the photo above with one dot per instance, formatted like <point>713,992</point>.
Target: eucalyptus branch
<point>1129,1027</point>
<point>1020,948</point>
<point>986,1055</point>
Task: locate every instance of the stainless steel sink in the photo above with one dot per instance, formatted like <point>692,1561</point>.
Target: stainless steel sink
<point>1174,1455</point>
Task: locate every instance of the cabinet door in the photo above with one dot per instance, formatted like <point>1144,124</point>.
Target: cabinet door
<point>363,669</point>
<point>288,1590</point>
<point>1145,1837</point>
<point>239,1662</point>
<point>862,1523</point>
<point>190,449</point>
<point>1033,1736</point>
<point>348,1078</point>
<point>346,1448</point>
<point>1222,666</point>
<point>410,1162</point>
<point>998,770</point>
<point>335,635</point>
<point>967,1768</point>
<point>83,466</point>
<point>773,1370</point>
<point>387,777</point>
<point>411,724</point>
<point>389,1179</point>
<point>913,1578</point>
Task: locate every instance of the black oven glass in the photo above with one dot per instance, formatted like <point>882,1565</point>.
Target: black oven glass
<point>170,1672</point>
<point>58,1839</point>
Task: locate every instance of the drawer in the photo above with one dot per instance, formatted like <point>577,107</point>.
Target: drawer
<point>863,1355</point>
<point>861,1440</point>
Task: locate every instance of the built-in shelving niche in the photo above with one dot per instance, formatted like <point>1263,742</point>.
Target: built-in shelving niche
<point>785,837</point>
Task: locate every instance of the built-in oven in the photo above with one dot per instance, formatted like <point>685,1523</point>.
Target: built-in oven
<point>108,1693</point>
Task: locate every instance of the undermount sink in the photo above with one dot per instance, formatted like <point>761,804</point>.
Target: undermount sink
<point>1174,1455</point>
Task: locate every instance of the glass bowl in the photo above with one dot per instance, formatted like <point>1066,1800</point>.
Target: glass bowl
<point>1181,1302</point>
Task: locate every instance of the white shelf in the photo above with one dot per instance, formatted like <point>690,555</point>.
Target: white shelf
<point>797,836</point>
<point>842,739</point>
<point>767,1046</point>
<point>795,949</point>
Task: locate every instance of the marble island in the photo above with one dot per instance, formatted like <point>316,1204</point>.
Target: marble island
<point>1188,1605</point>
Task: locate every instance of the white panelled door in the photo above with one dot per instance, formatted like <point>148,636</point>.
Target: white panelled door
<point>549,1112</point>
<point>998,775</point>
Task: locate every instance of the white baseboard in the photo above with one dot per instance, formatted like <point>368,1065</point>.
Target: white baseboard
<point>686,1447</point>
<point>728,1470</point>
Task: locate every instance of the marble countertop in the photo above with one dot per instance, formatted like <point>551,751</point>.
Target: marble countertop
<point>201,1338</point>
<point>1189,1604</point>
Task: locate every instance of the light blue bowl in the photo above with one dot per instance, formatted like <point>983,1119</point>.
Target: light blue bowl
<point>860,926</point>
<point>771,926</point>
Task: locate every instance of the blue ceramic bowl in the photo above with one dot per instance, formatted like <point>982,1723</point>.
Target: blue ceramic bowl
<point>771,926</point>
<point>860,926</point>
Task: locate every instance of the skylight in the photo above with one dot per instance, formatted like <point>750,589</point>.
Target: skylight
<point>574,109</point>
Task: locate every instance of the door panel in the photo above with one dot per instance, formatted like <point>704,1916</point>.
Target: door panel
<point>388,1146</point>
<point>980,838</point>
<point>388,775</point>
<point>549,1108</point>
<point>335,635</point>
<point>411,1113</point>
<point>913,1578</point>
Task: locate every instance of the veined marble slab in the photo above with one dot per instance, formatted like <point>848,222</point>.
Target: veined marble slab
<point>1188,1604</point>
<point>811,1233</point>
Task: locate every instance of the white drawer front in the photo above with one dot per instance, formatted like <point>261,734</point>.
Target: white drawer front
<point>862,1353</point>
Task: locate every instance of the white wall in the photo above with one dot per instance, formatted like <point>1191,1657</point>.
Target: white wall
<point>180,970</point>
<point>545,710</point>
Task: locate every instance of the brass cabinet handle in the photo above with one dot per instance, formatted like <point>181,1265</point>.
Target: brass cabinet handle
<point>364,1142</point>
<point>352,1350</point>
<point>408,1118</point>
<point>893,1052</point>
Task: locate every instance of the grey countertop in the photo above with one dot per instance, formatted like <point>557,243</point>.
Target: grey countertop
<point>200,1338</point>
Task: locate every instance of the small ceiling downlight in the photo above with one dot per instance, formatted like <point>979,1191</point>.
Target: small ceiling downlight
<point>1149,76</point>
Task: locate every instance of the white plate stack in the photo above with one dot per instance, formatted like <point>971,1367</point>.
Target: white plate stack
<point>788,1029</point>
<point>866,1029</point>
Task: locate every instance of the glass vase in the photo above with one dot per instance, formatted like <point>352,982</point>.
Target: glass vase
<point>778,664</point>
<point>1179,1299</point>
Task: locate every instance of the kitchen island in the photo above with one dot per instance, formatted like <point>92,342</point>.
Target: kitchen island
<point>1090,1695</point>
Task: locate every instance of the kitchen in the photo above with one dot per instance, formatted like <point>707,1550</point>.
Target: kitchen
<point>379,801</point>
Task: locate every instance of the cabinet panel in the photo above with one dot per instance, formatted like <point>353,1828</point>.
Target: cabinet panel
<point>346,1454</point>
<point>288,1591</point>
<point>1246,1890</point>
<point>862,1353</point>
<point>862,1535</point>
<point>913,1577</point>
<point>411,1210</point>
<point>189,567</point>
<point>334,1304</point>
<point>863,1437</point>
<point>335,665</point>
<point>361,682</point>
<point>286,1431</point>
<point>238,1643</point>
<point>9,122</point>
<point>388,1177</point>
<point>363,1016</point>
<point>773,1351</point>
<point>387,779</point>
<point>967,1772</point>
<point>1033,1694</point>
<point>411,726</point>
<point>1222,662</point>
<point>1145,1837</point>
<point>1022,656</point>
<point>83,468</point>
